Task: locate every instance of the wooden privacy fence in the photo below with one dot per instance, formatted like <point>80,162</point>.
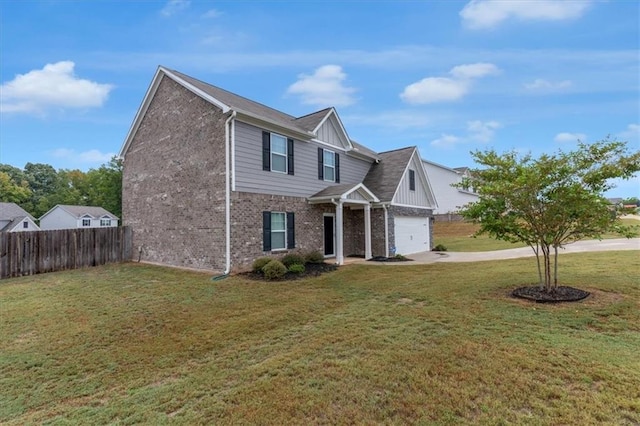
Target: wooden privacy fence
<point>28,253</point>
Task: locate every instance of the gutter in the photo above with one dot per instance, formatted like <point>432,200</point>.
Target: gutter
<point>227,207</point>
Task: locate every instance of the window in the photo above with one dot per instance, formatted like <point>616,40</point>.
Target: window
<point>277,153</point>
<point>328,166</point>
<point>25,225</point>
<point>412,180</point>
<point>86,222</point>
<point>105,222</point>
<point>278,230</point>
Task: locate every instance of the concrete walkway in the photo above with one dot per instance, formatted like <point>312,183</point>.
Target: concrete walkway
<point>577,247</point>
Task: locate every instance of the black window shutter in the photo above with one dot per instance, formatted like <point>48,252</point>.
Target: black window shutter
<point>320,164</point>
<point>412,180</point>
<point>290,156</point>
<point>337,168</point>
<point>266,231</point>
<point>266,151</point>
<point>291,231</point>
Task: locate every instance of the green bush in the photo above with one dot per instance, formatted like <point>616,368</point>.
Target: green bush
<point>274,270</point>
<point>314,257</point>
<point>440,247</point>
<point>260,263</point>
<point>292,259</point>
<point>296,268</point>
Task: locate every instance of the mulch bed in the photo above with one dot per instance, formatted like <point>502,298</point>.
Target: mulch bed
<point>561,294</point>
<point>310,270</point>
<point>389,259</point>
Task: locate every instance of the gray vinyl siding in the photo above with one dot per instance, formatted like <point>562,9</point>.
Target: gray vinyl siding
<point>251,178</point>
<point>329,133</point>
<point>404,196</point>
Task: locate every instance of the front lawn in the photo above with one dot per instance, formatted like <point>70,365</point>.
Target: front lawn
<point>458,236</point>
<point>366,344</point>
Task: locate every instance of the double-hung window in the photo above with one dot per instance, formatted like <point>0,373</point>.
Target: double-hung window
<point>86,222</point>
<point>328,165</point>
<point>278,230</point>
<point>277,153</point>
<point>105,222</point>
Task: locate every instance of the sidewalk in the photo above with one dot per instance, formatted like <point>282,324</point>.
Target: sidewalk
<point>577,247</point>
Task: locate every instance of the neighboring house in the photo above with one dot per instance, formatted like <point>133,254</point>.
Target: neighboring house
<point>212,180</point>
<point>450,199</point>
<point>14,218</point>
<point>70,217</point>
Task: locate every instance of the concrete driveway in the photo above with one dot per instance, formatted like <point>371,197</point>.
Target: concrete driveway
<point>577,247</point>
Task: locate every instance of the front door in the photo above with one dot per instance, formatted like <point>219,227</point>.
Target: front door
<point>329,235</point>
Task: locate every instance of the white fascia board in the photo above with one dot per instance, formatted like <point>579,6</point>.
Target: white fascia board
<point>440,166</point>
<point>422,176</point>
<point>332,111</point>
<point>366,190</point>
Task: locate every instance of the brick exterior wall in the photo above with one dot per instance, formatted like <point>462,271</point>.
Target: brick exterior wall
<point>173,185</point>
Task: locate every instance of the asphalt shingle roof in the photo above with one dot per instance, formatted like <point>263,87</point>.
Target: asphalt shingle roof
<point>384,177</point>
<point>10,211</point>
<point>79,211</point>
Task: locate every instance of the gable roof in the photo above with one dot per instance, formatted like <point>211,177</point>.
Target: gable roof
<point>384,177</point>
<point>17,221</point>
<point>79,211</point>
<point>343,192</point>
<point>10,211</point>
<point>303,128</point>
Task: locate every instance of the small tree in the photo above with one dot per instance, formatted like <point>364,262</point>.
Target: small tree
<point>549,201</point>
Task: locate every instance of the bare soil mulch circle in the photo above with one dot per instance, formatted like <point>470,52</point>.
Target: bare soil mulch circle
<point>561,294</point>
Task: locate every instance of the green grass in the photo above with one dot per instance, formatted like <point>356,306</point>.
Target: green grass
<point>458,236</point>
<point>423,344</point>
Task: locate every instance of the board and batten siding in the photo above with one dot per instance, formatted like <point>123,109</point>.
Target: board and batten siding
<point>251,178</point>
<point>406,197</point>
<point>328,133</point>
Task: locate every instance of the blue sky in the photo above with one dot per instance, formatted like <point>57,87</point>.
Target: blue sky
<point>446,76</point>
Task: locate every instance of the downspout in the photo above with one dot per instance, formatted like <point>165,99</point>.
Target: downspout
<point>386,231</point>
<point>227,207</point>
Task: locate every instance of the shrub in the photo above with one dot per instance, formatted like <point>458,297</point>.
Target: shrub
<point>274,270</point>
<point>440,247</point>
<point>400,256</point>
<point>260,263</point>
<point>296,268</point>
<point>292,259</point>
<point>314,257</point>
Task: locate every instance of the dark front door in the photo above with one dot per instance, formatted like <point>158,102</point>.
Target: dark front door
<point>329,236</point>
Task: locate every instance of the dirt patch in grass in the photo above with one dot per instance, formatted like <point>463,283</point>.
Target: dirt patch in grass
<point>561,294</point>
<point>310,270</point>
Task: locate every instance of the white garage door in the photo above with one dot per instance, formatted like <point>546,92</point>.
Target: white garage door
<point>412,234</point>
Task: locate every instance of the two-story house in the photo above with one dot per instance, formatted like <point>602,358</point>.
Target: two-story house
<point>213,180</point>
<point>14,218</point>
<point>450,198</point>
<point>64,216</point>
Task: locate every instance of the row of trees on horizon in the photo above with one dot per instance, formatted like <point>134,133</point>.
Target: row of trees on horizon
<point>39,187</point>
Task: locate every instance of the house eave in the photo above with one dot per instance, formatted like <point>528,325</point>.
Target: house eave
<point>260,121</point>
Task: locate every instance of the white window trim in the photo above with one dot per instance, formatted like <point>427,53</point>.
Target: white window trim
<point>88,220</point>
<point>285,155</point>
<point>324,166</point>
<point>284,231</point>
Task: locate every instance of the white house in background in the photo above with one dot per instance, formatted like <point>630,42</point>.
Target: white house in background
<point>14,218</point>
<point>70,217</point>
<point>450,199</point>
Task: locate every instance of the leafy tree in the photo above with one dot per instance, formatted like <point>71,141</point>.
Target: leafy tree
<point>12,192</point>
<point>550,201</point>
<point>633,201</point>
<point>43,182</point>
<point>104,186</point>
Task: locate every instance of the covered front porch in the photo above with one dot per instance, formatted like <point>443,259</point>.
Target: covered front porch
<point>344,198</point>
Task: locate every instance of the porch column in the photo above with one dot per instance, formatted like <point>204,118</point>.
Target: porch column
<point>339,234</point>
<point>367,231</point>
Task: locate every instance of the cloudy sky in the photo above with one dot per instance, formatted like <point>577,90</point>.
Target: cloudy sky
<point>446,76</point>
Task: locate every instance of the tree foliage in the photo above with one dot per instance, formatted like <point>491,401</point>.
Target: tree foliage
<point>39,187</point>
<point>549,201</point>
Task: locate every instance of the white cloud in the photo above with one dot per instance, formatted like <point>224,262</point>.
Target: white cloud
<point>570,137</point>
<point>482,131</point>
<point>212,13</point>
<point>476,70</point>
<point>174,6</point>
<point>446,141</point>
<point>480,14</point>
<point>477,131</point>
<point>631,132</point>
<point>54,86</point>
<point>445,89</point>
<point>92,156</point>
<point>541,85</point>
<point>325,87</point>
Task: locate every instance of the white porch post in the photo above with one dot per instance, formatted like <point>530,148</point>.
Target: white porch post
<point>339,234</point>
<point>367,231</point>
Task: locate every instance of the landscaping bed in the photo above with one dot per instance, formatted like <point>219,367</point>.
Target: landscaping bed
<point>561,294</point>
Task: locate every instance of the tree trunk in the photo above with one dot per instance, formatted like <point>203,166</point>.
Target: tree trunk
<point>555,267</point>
<point>546,252</point>
<point>536,250</point>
